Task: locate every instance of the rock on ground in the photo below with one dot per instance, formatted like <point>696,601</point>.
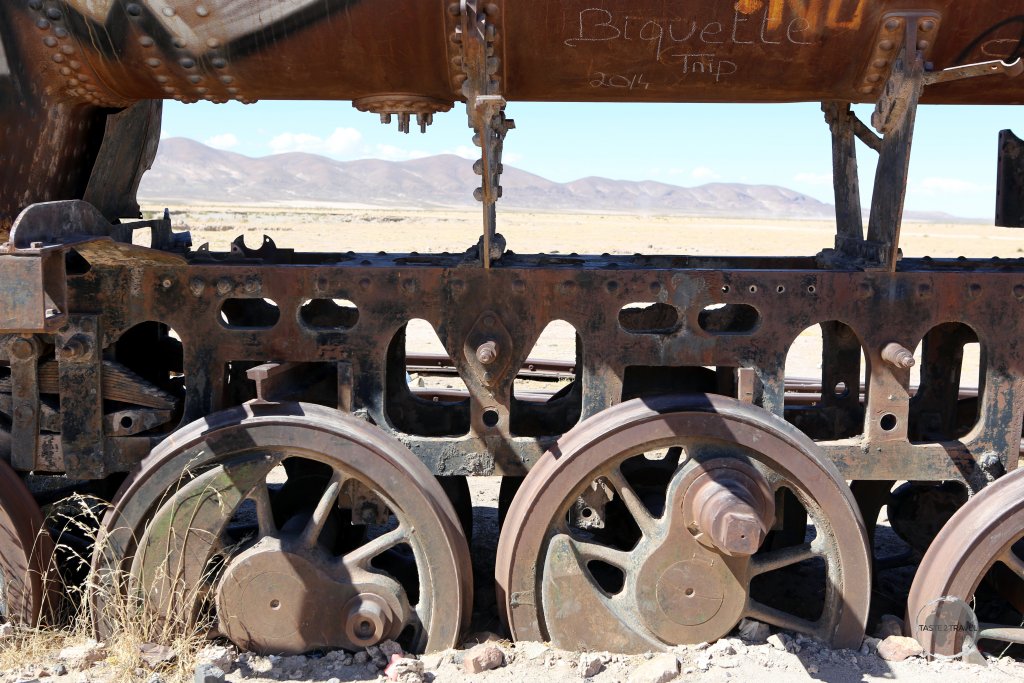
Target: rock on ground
<point>898,648</point>
<point>79,657</point>
<point>660,668</point>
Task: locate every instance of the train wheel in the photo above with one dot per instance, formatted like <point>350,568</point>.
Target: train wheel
<point>24,551</point>
<point>296,528</point>
<point>643,526</point>
<point>982,542</point>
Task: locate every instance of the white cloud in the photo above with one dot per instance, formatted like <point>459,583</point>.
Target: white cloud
<point>392,153</point>
<point>941,186</point>
<point>222,141</point>
<point>342,142</point>
<point>704,173</point>
<point>464,151</point>
<point>813,178</point>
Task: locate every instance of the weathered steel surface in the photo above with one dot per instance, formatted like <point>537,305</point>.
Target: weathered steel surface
<point>685,571</point>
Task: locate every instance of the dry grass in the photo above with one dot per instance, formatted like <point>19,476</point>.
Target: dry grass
<point>110,599</point>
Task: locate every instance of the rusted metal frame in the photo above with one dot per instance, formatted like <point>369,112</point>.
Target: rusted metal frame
<point>79,355</point>
<point>581,296</point>
<point>121,453</point>
<point>1010,181</point>
<point>24,353</point>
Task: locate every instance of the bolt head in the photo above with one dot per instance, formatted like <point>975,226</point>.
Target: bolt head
<point>737,532</point>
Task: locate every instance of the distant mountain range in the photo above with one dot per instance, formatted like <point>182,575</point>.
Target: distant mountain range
<point>188,171</point>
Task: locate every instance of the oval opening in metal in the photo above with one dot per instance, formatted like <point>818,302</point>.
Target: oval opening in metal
<point>649,317</point>
<point>729,319</point>
<point>329,314</point>
<point>249,314</point>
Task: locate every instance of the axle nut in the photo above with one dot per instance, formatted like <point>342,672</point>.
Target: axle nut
<point>487,352</point>
<point>76,347</point>
<point>367,620</point>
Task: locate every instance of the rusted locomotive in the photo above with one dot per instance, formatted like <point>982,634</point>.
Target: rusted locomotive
<point>268,464</point>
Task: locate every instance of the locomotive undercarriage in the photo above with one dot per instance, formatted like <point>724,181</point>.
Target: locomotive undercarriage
<point>285,481</point>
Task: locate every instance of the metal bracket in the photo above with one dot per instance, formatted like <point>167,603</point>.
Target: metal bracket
<point>901,47</point>
<point>485,108</point>
<point>1010,181</point>
<point>81,397</point>
<point>23,353</point>
<point>488,348</point>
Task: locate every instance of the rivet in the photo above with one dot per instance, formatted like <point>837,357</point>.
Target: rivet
<point>187,62</point>
<point>1018,291</point>
<point>153,62</point>
<point>409,286</point>
<point>612,286</point>
<point>197,285</point>
<point>880,63</point>
<point>886,45</point>
<point>53,14</point>
<point>42,24</point>
<point>133,9</point>
<point>365,283</point>
<point>146,41</point>
<point>927,25</point>
<point>224,285</point>
<point>50,41</point>
<point>923,45</point>
<point>167,283</point>
<point>168,11</point>
<point>202,11</point>
<point>892,25</point>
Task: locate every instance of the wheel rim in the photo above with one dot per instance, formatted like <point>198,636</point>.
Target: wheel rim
<point>24,551</point>
<point>548,572</point>
<point>984,540</point>
<point>358,545</point>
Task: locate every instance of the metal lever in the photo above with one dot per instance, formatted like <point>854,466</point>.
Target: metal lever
<point>957,73</point>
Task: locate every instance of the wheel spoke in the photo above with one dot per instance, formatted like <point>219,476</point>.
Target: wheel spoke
<point>595,551</point>
<point>783,557</point>
<point>777,617</point>
<point>323,510</point>
<point>361,556</point>
<point>1012,562</point>
<point>1007,634</point>
<point>260,495</point>
<point>632,501</point>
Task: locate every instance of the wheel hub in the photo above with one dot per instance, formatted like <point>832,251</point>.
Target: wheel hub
<point>274,598</point>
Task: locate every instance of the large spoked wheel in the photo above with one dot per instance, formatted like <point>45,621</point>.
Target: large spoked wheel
<point>291,527</point>
<point>25,551</point>
<point>977,562</point>
<point>656,523</point>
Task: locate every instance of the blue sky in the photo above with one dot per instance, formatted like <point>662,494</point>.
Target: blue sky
<point>953,167</point>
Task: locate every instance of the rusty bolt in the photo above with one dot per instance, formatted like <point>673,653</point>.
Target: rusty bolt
<point>22,349</point>
<point>927,24</point>
<point>197,286</point>
<point>224,285</point>
<point>167,283</point>
<point>487,352</point>
<point>898,355</point>
<point>76,347</point>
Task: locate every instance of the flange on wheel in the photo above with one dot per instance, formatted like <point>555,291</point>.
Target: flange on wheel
<point>295,527</point>
<point>969,588</point>
<point>659,522</point>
